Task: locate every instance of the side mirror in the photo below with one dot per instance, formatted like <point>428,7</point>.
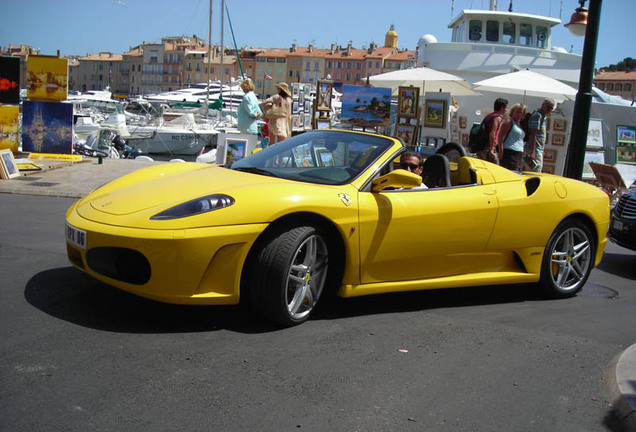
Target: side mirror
<point>397,179</point>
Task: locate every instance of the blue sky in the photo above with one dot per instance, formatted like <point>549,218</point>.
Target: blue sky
<point>78,27</point>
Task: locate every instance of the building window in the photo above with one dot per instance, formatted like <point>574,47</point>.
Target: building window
<point>609,86</point>
<point>377,65</point>
<point>618,87</point>
<point>627,87</point>
<point>601,86</point>
<point>474,30</point>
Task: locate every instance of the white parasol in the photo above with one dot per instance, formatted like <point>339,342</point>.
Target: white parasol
<point>426,79</point>
<point>527,83</point>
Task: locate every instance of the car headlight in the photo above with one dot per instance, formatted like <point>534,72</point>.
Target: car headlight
<point>197,206</point>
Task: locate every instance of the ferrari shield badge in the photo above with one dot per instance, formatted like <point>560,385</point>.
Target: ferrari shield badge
<point>345,199</point>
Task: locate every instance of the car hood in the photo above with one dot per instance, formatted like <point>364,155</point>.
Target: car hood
<point>133,199</point>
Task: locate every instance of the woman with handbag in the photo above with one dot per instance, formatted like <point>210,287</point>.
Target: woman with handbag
<point>277,109</point>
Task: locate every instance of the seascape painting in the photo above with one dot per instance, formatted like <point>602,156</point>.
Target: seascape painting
<point>47,127</point>
<point>47,78</point>
<point>9,127</point>
<point>9,80</point>
<point>366,106</point>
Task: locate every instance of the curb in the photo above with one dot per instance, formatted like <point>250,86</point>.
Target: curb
<point>621,387</point>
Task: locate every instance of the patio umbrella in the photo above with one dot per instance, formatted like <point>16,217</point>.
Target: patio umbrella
<point>527,83</point>
<point>426,79</point>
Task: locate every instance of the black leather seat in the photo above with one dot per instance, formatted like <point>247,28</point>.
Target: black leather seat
<point>436,171</point>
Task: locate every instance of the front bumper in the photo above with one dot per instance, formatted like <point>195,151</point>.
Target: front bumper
<point>192,266</point>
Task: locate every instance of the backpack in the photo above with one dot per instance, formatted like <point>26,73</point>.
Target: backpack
<point>523,124</point>
<point>478,138</point>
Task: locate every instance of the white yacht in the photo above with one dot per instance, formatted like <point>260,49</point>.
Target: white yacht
<point>232,94</point>
<point>486,43</point>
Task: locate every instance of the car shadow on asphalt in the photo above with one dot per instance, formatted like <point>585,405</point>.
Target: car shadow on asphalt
<point>70,295</point>
<point>618,264</point>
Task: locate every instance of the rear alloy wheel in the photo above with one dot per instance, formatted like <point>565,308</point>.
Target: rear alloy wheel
<point>289,275</point>
<point>568,260</point>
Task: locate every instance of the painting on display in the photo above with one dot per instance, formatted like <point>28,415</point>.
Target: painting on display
<point>626,134</point>
<point>435,113</point>
<point>9,127</point>
<point>47,78</point>
<point>366,106</point>
<point>47,127</point>
<point>595,134</point>
<point>9,80</point>
<point>408,101</point>
<point>626,154</point>
<point>323,95</point>
<point>592,156</point>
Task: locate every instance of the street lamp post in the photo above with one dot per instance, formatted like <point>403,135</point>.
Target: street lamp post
<point>583,103</point>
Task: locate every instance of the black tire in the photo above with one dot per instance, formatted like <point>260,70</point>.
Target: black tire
<point>568,259</point>
<point>289,275</point>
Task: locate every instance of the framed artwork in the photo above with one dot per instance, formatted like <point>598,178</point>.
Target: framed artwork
<point>463,122</point>
<point>592,156</point>
<point>306,89</point>
<point>295,121</point>
<point>307,122</point>
<point>595,134</point>
<point>408,100</point>
<point>325,158</point>
<point>435,113</point>
<point>307,106</point>
<point>323,124</point>
<point>295,90</point>
<point>302,156</point>
<point>232,147</point>
<point>8,167</point>
<point>301,99</point>
<point>366,106</point>
<point>9,127</point>
<point>295,107</point>
<point>47,78</point>
<point>558,140</point>
<point>626,154</point>
<point>548,169</point>
<point>47,127</point>
<point>559,125</point>
<point>406,132</point>
<point>323,95</point>
<point>549,156</point>
<point>626,134</point>
<point>10,79</point>
<point>464,139</point>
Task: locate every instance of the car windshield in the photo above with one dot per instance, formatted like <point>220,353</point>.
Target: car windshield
<point>321,156</point>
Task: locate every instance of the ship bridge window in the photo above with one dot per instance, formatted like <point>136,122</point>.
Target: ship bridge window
<point>525,34</point>
<point>492,31</point>
<point>474,30</point>
<point>509,30</point>
<point>542,37</point>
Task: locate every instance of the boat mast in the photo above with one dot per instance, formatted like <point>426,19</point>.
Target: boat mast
<point>222,45</point>
<point>207,95</point>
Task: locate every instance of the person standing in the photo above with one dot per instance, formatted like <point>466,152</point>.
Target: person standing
<point>278,109</point>
<point>533,159</point>
<point>492,123</point>
<point>510,139</point>
<point>249,110</point>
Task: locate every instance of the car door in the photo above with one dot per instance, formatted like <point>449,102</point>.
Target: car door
<point>422,234</point>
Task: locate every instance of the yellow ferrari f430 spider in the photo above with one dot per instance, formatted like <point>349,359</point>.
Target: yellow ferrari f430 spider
<point>327,210</point>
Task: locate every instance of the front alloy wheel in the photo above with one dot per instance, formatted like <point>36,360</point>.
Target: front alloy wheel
<point>289,275</point>
<point>568,260</point>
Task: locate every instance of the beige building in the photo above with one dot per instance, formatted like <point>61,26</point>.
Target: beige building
<point>99,71</point>
<point>271,69</point>
<point>621,84</point>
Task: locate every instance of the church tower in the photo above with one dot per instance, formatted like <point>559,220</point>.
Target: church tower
<point>391,38</point>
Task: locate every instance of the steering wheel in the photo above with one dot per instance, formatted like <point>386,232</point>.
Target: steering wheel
<point>452,150</point>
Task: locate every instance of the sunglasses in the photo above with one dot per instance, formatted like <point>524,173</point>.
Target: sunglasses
<point>406,166</point>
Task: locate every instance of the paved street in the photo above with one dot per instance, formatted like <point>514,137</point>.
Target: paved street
<point>78,355</point>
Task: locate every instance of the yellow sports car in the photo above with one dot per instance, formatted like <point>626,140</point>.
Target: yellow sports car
<point>327,209</point>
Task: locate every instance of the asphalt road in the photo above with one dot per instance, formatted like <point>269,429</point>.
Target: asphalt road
<point>77,355</point>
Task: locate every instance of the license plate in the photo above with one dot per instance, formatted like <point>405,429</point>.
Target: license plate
<point>618,225</point>
<point>76,236</point>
